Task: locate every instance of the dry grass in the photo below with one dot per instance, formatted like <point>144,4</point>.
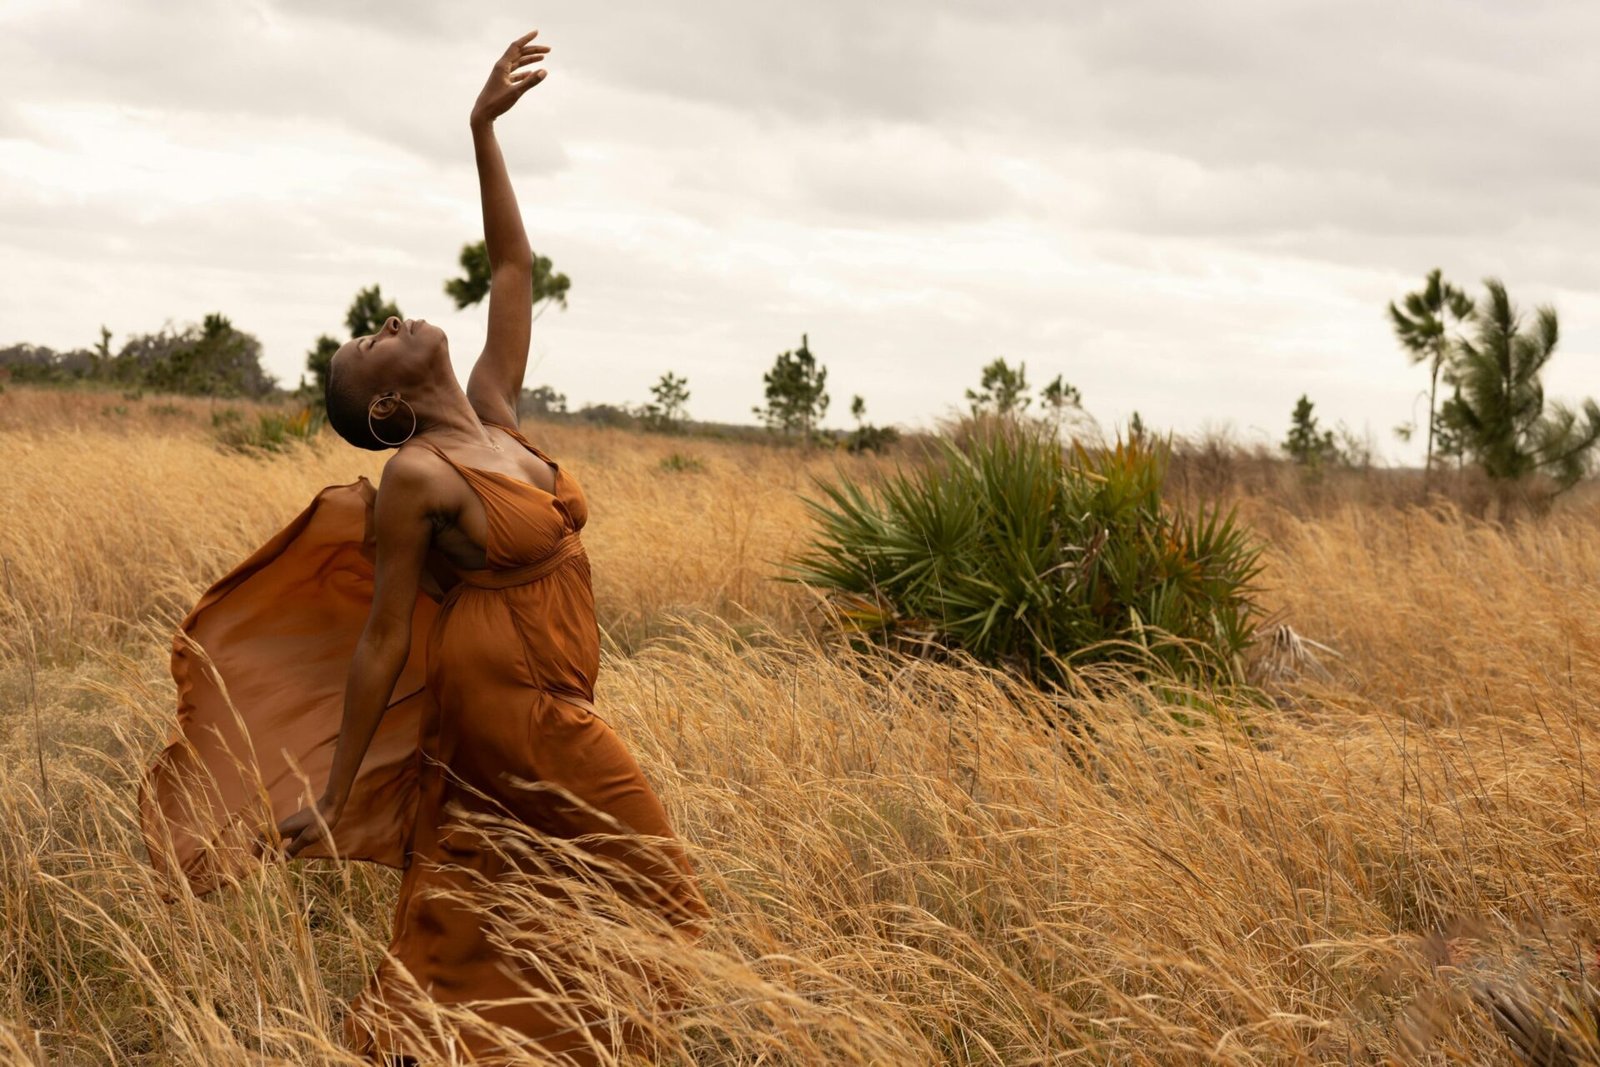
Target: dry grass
<point>905,869</point>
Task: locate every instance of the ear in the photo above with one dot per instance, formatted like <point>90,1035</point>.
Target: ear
<point>384,405</point>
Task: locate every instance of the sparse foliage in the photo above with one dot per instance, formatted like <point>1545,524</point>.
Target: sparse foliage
<point>1059,397</point>
<point>1426,328</point>
<point>1499,408</point>
<point>867,437</point>
<point>549,285</point>
<point>1308,444</point>
<point>318,360</point>
<point>668,408</point>
<point>796,390</point>
<point>369,311</point>
<point>1001,390</point>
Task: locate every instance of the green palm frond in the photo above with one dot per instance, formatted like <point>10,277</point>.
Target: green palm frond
<point>1019,554</point>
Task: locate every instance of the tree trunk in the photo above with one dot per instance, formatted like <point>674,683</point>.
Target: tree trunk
<point>1433,388</point>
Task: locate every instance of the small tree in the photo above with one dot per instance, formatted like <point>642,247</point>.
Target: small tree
<point>669,408</point>
<point>1001,390</point>
<point>549,286</point>
<point>1424,331</point>
<point>1499,407</point>
<point>318,360</point>
<point>368,312</point>
<point>1060,397</point>
<point>797,397</point>
<point>1307,444</point>
<point>867,437</point>
<point>100,358</point>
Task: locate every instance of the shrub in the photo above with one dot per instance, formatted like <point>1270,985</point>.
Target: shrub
<point>678,463</point>
<point>1039,560</point>
<point>273,431</point>
<point>869,438</point>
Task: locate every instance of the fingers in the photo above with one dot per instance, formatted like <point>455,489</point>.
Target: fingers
<point>303,840</point>
<point>527,61</point>
<point>291,836</point>
<point>524,39</point>
<point>523,84</point>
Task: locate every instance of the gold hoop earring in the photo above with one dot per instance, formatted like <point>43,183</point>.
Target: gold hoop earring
<point>374,430</point>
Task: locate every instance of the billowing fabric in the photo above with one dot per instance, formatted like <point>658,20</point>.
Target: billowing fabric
<point>492,717</point>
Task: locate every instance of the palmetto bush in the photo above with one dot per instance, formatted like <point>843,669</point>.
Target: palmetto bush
<point>1040,559</point>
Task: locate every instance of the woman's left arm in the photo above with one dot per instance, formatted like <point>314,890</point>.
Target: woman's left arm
<point>496,379</point>
<point>404,533</point>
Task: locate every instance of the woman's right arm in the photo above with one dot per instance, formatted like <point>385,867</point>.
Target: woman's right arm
<point>404,532</point>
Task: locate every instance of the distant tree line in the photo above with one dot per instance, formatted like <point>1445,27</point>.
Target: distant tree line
<point>208,358</point>
<point>213,358</point>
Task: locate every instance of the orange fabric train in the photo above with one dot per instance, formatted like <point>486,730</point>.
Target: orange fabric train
<point>492,715</point>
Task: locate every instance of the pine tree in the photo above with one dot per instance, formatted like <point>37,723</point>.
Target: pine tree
<point>797,397</point>
<point>669,408</point>
<point>1499,406</point>
<point>1059,396</point>
<point>1308,444</point>
<point>549,285</point>
<point>1001,390</point>
<point>369,311</point>
<point>1424,330</point>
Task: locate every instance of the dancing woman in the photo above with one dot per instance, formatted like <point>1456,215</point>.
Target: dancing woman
<point>427,651</point>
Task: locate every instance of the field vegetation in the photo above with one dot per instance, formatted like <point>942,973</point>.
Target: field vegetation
<point>1393,859</point>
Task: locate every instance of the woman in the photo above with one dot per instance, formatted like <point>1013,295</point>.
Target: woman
<point>324,657</point>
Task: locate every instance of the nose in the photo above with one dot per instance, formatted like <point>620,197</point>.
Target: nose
<point>392,323</point>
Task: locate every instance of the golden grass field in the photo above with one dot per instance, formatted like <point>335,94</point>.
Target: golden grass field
<point>904,868</point>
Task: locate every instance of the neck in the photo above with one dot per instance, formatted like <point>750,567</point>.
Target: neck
<point>443,410</point>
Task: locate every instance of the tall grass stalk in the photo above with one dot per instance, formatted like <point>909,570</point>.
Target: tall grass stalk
<point>900,875</point>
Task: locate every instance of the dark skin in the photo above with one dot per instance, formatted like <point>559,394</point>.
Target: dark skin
<point>424,506</point>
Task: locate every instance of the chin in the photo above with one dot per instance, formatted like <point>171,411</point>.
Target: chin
<point>435,336</point>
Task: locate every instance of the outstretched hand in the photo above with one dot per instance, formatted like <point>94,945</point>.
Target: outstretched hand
<point>510,78</point>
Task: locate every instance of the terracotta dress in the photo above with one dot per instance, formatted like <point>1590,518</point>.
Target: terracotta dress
<point>492,719</point>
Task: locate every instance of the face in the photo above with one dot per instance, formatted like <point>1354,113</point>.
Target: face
<point>402,355</point>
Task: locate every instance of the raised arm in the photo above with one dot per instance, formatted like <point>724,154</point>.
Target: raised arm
<point>404,533</point>
<point>496,379</point>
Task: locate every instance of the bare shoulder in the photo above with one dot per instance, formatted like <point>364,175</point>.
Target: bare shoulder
<point>414,481</point>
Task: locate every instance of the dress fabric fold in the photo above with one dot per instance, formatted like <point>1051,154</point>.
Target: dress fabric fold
<point>493,717</point>
<point>260,665</point>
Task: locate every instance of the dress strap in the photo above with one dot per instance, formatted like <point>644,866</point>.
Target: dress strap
<point>441,453</point>
<point>555,468</point>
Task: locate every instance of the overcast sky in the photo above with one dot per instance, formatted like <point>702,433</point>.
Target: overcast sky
<point>1196,211</point>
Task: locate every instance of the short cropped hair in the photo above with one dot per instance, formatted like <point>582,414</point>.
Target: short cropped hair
<point>347,411</point>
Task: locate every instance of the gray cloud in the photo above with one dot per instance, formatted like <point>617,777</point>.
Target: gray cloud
<point>1188,209</point>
